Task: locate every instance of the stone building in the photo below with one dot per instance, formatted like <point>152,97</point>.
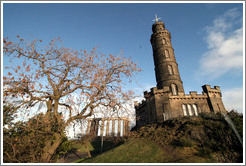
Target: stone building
<point>98,127</point>
<point>168,100</point>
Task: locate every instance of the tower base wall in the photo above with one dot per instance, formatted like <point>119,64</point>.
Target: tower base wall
<point>160,105</point>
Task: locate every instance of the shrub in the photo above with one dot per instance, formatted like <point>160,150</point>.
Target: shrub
<point>183,142</point>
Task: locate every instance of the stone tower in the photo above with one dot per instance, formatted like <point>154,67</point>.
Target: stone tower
<point>168,100</point>
<point>166,67</point>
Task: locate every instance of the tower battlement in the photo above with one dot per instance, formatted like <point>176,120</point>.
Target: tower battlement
<point>215,92</point>
<point>207,88</point>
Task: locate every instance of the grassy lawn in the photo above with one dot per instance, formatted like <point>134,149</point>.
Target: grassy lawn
<point>143,151</point>
<point>134,151</point>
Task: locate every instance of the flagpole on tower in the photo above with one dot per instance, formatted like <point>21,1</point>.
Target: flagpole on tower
<point>156,18</point>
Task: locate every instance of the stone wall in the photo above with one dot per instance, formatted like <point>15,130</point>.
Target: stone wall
<point>160,105</point>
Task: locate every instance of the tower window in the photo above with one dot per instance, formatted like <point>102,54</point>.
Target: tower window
<point>163,41</point>
<point>174,89</point>
<point>166,54</point>
<point>170,69</point>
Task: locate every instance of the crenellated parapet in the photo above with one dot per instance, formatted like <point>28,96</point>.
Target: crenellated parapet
<point>137,105</point>
<point>192,95</point>
<point>212,91</point>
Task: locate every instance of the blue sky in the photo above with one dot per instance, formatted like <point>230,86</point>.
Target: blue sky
<point>207,38</point>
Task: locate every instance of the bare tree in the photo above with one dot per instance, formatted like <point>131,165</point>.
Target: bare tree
<point>75,81</point>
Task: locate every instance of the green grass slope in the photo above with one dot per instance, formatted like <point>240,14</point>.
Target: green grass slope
<point>133,151</point>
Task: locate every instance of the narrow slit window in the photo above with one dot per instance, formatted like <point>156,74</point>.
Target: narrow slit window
<point>189,109</point>
<point>184,109</point>
<point>166,54</point>
<point>163,41</point>
<point>170,69</point>
<point>174,89</point>
<point>164,117</point>
<point>195,109</point>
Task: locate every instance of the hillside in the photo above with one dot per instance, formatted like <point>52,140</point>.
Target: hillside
<point>134,151</point>
<point>200,139</point>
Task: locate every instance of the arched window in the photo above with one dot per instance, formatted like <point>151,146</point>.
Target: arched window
<point>184,109</point>
<point>174,89</point>
<point>166,54</point>
<point>195,109</point>
<point>189,109</point>
<point>170,69</point>
<point>163,41</point>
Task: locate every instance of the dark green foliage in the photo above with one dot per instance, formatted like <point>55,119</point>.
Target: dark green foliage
<point>183,142</point>
<point>8,115</point>
<point>24,141</point>
<point>237,119</point>
<point>64,147</point>
<point>205,152</point>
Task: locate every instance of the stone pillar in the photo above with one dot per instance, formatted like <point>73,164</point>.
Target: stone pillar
<point>127,127</point>
<point>119,126</point>
<point>88,127</point>
<point>81,125</point>
<point>113,126</point>
<point>96,127</point>
<point>102,127</point>
<point>92,128</point>
<point>124,127</point>
<point>107,129</point>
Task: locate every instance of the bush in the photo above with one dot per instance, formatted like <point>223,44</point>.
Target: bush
<point>183,142</point>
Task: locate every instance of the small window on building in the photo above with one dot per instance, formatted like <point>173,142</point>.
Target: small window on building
<point>166,54</point>
<point>164,117</point>
<point>170,69</point>
<point>195,109</point>
<point>184,109</point>
<point>174,89</point>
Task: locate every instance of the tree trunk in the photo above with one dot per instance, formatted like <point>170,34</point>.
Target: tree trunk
<point>49,149</point>
<point>88,151</point>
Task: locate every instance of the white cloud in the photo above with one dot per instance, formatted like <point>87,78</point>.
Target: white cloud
<point>233,99</point>
<point>225,46</point>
